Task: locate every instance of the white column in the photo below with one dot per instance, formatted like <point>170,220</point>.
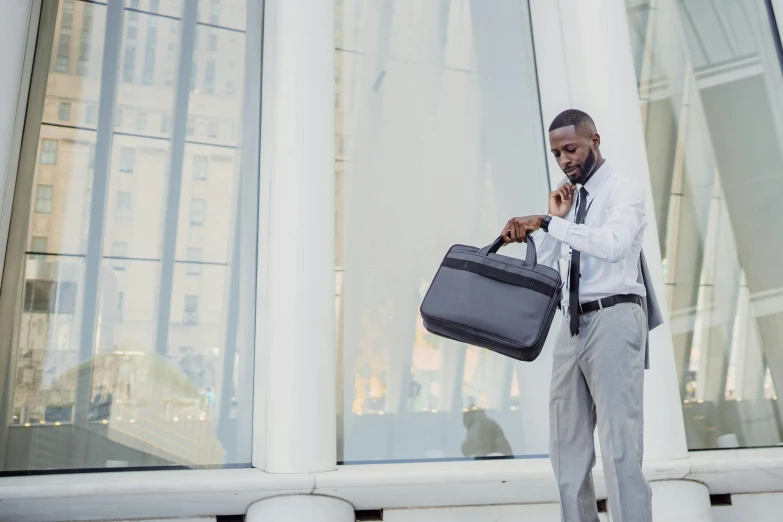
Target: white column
<point>603,83</point>
<point>593,59</point>
<point>295,368</point>
<point>681,500</point>
<point>298,508</point>
<point>15,20</point>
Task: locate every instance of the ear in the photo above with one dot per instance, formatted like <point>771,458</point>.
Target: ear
<point>596,140</point>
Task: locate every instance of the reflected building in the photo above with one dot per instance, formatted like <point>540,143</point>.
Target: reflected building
<point>712,106</point>
<point>151,369</point>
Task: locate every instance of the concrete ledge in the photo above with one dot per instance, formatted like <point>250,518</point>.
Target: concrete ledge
<point>159,494</point>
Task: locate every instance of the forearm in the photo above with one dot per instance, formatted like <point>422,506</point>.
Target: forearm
<point>610,242</point>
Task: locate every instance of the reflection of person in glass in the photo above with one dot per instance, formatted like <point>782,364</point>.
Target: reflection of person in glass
<point>485,437</point>
<point>600,351</point>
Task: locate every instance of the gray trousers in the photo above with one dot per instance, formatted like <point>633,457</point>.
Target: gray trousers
<point>598,377</point>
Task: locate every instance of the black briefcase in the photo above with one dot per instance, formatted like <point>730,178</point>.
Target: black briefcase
<point>497,302</point>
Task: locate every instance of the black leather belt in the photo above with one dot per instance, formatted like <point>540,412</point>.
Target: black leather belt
<point>606,302</point>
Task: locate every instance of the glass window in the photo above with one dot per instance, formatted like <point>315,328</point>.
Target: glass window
<point>124,209</point>
<point>141,402</point>
<point>214,13</point>
<point>209,78</point>
<point>141,121</point>
<point>190,315</point>
<point>64,41</point>
<point>154,5</point>
<point>119,251</point>
<point>213,42</point>
<point>197,207</point>
<point>454,120</point>
<point>85,40</point>
<point>38,245</point>
<point>194,261</point>
<point>150,52</point>
<point>213,129</point>
<point>711,95</point>
<point>199,167</point>
<point>129,61</point>
<point>38,295</point>
<point>48,152</point>
<point>64,111</point>
<point>43,199</point>
<point>91,116</point>
<point>127,159</point>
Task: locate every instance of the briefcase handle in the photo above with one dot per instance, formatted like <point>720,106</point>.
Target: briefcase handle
<point>531,259</point>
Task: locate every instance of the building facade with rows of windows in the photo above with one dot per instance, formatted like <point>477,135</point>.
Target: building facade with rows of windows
<point>218,219</point>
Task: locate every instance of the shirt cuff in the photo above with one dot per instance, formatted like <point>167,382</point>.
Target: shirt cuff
<point>558,228</point>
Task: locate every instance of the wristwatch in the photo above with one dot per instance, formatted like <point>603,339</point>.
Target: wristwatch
<point>545,223</point>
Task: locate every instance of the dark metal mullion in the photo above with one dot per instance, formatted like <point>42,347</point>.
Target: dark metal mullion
<point>776,37</point>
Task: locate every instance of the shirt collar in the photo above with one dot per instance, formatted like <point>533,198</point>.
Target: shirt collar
<point>598,178</point>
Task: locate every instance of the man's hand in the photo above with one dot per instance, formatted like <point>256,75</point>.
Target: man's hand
<point>516,229</point>
<point>560,200</point>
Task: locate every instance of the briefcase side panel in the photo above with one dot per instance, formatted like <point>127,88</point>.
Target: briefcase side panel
<point>487,305</point>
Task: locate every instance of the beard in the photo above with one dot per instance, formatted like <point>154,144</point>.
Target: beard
<point>586,171</point>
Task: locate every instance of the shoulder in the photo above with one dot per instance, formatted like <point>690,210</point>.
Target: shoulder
<point>625,189</point>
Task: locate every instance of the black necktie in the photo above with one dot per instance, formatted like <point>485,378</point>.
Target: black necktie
<point>573,280</point>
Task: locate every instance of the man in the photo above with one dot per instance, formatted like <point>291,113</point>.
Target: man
<point>596,220</point>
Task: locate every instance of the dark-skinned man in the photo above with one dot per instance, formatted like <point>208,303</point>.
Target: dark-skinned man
<point>596,221</point>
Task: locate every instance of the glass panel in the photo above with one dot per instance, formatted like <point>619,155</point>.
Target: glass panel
<point>223,13</point>
<point>439,141</point>
<point>711,94</point>
<point>166,381</point>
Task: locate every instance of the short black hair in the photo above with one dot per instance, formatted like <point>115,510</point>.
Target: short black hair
<point>570,117</point>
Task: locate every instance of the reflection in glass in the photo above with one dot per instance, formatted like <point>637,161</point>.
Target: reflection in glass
<point>711,94</point>
<point>439,141</point>
<point>131,401</point>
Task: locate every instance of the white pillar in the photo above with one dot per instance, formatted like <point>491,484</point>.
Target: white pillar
<point>15,20</point>
<point>681,500</point>
<point>299,508</point>
<point>603,83</point>
<point>594,60</point>
<point>296,409</point>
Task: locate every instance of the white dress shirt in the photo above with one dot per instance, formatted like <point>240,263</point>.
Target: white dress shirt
<point>610,240</point>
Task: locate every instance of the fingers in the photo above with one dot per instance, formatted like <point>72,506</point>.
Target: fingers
<point>566,192</point>
<point>506,234</point>
<point>516,230</point>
